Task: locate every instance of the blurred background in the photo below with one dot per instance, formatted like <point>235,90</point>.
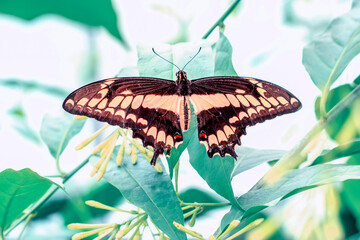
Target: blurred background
<point>47,50</point>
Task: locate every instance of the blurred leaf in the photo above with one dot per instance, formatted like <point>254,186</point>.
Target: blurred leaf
<point>326,57</point>
<point>144,187</point>
<point>343,150</point>
<point>346,127</point>
<point>19,190</point>
<point>21,125</point>
<point>350,192</point>
<point>92,13</point>
<point>294,182</point>
<point>199,196</point>
<point>223,57</point>
<point>56,132</point>
<point>250,158</point>
<point>29,86</point>
<point>73,209</point>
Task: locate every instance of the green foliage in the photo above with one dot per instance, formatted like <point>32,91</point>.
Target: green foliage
<point>250,157</point>
<point>346,127</point>
<point>326,57</point>
<point>293,182</point>
<point>148,189</point>
<point>73,208</point>
<point>91,13</point>
<point>56,132</point>
<point>19,190</point>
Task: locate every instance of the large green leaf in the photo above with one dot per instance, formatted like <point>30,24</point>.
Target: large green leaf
<point>144,187</point>
<point>326,57</point>
<point>293,182</point>
<point>215,171</point>
<point>93,13</point>
<point>18,190</point>
<point>249,158</point>
<point>57,131</point>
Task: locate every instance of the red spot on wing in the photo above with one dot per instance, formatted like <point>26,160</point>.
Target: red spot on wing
<point>202,135</point>
<point>177,136</point>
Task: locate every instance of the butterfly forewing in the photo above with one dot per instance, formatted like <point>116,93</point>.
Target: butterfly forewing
<point>148,106</point>
<point>225,106</point>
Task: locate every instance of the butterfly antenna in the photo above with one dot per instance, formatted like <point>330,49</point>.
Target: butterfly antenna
<point>192,58</point>
<point>165,59</point>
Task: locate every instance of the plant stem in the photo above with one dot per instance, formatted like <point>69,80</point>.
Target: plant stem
<point>195,204</point>
<point>44,198</point>
<point>25,225</point>
<point>294,157</point>
<point>222,18</point>
<point>176,169</point>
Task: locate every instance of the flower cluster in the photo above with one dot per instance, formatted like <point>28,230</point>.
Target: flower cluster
<point>111,230</point>
<point>106,149</point>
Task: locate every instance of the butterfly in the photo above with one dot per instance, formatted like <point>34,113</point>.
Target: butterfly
<point>158,110</point>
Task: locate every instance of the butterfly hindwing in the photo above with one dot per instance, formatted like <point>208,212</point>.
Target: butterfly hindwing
<point>148,106</point>
<point>225,106</point>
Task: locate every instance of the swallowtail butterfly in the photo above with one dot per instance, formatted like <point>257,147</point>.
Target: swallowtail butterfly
<point>158,110</point>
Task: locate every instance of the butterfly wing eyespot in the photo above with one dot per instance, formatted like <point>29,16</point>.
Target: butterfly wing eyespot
<point>147,106</point>
<point>225,106</point>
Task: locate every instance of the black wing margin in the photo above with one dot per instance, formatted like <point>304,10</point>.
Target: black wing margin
<point>148,106</point>
<point>225,106</point>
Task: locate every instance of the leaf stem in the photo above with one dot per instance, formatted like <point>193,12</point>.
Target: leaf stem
<point>46,196</point>
<point>222,18</point>
<point>295,157</point>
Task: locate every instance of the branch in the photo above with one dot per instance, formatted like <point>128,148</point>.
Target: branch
<point>222,18</point>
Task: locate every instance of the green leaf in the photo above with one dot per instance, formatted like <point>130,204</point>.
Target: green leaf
<point>250,158</point>
<point>343,150</point>
<point>346,127</point>
<point>56,132</point>
<point>21,125</point>
<point>92,13</point>
<point>151,65</point>
<point>18,190</point>
<point>144,187</point>
<point>350,191</point>
<point>74,209</point>
<point>215,171</point>
<point>223,57</point>
<point>326,57</point>
<point>293,182</point>
<point>29,86</point>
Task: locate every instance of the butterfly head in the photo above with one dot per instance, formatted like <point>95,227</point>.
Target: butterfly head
<point>181,77</point>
